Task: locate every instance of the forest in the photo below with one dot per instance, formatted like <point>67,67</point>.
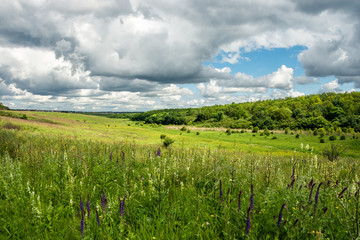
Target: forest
<point>331,111</point>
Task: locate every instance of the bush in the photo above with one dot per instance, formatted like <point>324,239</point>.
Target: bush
<point>315,132</point>
<point>162,136</point>
<point>332,138</point>
<point>188,131</point>
<point>255,130</point>
<point>183,129</point>
<point>197,133</point>
<point>168,141</point>
<point>228,131</point>
<point>342,137</point>
<point>243,131</point>
<point>322,140</point>
<point>274,137</point>
<point>333,153</point>
<point>297,135</point>
<point>287,130</point>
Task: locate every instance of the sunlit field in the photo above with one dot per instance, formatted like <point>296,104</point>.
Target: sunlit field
<point>72,176</point>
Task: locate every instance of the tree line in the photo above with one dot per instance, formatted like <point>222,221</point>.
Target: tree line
<point>334,111</point>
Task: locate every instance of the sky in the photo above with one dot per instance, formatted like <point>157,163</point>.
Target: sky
<point>133,55</point>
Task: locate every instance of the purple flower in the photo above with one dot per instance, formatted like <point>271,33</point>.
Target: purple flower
<point>122,206</point>
<point>280,215</point>
<point>311,183</point>
<point>239,201</point>
<point>252,202</point>
<point>158,153</point>
<point>311,190</point>
<point>81,205</point>
<point>292,183</point>
<point>325,209</point>
<point>117,159</point>
<point>88,206</point>
<point>97,218</point>
<point>82,226</point>
<point>300,187</point>
<point>248,224</point>
<point>110,157</point>
<point>342,192</point>
<point>296,221</point>
<point>317,198</point>
<point>103,201</point>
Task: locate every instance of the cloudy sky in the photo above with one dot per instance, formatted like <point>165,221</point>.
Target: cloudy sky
<point>133,55</point>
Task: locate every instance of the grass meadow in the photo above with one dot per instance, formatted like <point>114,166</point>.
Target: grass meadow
<point>72,176</point>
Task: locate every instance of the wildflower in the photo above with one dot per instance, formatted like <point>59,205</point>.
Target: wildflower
<point>117,160</point>
<point>310,183</point>
<point>158,153</point>
<point>88,206</point>
<point>292,183</point>
<point>252,201</point>
<point>82,225</point>
<point>317,198</point>
<point>248,224</point>
<point>325,210</point>
<point>300,187</point>
<point>296,221</point>
<point>122,206</point>
<point>239,201</point>
<point>311,190</point>
<point>97,217</point>
<point>342,192</point>
<point>212,215</point>
<point>280,215</point>
<point>207,223</point>
<point>103,201</point>
<point>110,157</point>
<point>153,237</point>
<point>81,205</point>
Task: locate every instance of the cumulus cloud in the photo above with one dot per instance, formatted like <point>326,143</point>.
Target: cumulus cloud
<point>303,80</point>
<point>332,86</point>
<point>103,48</point>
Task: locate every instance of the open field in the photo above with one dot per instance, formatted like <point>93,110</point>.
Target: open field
<point>72,176</point>
<point>111,130</point>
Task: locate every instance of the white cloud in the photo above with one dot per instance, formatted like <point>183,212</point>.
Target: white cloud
<point>332,86</point>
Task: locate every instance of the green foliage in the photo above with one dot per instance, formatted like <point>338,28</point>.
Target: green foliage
<point>255,129</point>
<point>170,193</point>
<point>333,152</point>
<point>297,135</point>
<point>2,107</point>
<point>322,140</point>
<point>168,141</point>
<point>332,138</point>
<point>162,136</point>
<point>306,112</point>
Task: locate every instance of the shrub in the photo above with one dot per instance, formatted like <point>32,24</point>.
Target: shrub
<point>266,132</point>
<point>287,130</point>
<point>168,141</point>
<point>228,131</point>
<point>332,138</point>
<point>255,130</point>
<point>188,131</point>
<point>333,152</point>
<point>342,137</point>
<point>243,131</point>
<point>297,135</point>
<point>197,133</point>
<point>322,140</point>
<point>315,132</point>
<point>261,134</point>
<point>183,129</point>
<point>162,136</point>
<point>274,137</point>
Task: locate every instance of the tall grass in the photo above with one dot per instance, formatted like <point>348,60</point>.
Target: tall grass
<point>63,188</point>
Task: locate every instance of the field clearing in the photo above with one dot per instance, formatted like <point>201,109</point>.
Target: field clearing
<point>80,126</point>
<point>74,176</point>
